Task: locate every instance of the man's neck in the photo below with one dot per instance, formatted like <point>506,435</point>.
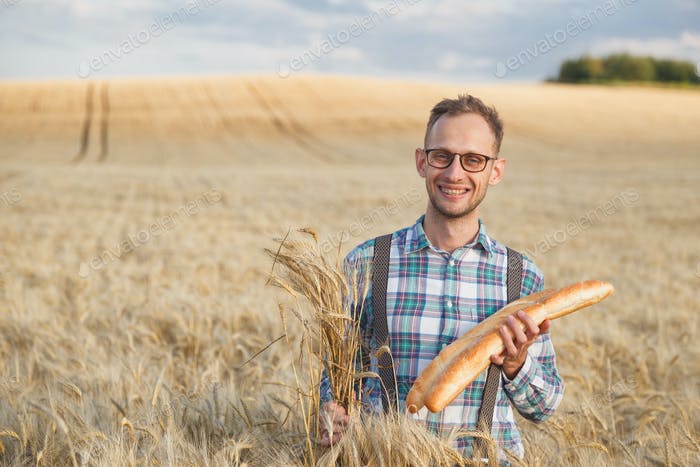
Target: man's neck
<point>450,233</point>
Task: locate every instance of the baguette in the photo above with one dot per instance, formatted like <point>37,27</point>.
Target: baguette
<point>460,363</point>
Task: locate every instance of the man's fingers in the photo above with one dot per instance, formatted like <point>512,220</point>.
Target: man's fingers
<point>544,327</point>
<point>507,339</point>
<point>334,412</point>
<point>518,334</point>
<point>497,359</point>
<point>340,419</point>
<point>333,407</point>
<point>334,422</point>
<point>339,425</point>
<point>531,328</point>
<point>328,440</point>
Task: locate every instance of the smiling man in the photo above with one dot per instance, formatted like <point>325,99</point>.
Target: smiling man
<point>446,274</point>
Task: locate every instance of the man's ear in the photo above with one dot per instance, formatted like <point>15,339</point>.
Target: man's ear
<point>499,167</point>
<point>421,162</point>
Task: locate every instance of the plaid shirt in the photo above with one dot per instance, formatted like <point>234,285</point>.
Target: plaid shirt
<point>433,297</point>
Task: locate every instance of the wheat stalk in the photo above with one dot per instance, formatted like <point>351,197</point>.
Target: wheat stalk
<point>327,319</point>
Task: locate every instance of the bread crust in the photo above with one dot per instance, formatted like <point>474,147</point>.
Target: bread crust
<point>460,363</point>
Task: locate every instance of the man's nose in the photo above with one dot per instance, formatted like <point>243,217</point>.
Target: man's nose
<point>455,171</point>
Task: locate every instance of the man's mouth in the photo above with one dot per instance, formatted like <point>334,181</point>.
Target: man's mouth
<point>453,191</point>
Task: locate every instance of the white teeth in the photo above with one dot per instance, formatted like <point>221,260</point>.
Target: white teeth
<point>453,192</point>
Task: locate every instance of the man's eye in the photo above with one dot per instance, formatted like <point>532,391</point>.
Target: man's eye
<point>441,156</point>
<point>474,160</point>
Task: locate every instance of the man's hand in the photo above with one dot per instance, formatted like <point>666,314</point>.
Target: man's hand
<point>517,341</point>
<point>334,421</point>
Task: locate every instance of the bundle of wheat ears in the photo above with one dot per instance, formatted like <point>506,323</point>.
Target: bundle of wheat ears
<point>327,318</point>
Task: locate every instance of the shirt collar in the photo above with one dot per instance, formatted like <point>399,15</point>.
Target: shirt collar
<point>417,240</point>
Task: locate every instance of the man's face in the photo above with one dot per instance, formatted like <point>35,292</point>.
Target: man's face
<point>454,192</point>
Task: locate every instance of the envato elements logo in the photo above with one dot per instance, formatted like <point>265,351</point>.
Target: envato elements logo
<point>10,197</point>
<point>143,37</point>
<point>363,224</point>
<point>155,229</point>
<point>579,225</point>
<point>334,41</point>
<point>606,397</point>
<point>9,3</point>
<point>551,41</point>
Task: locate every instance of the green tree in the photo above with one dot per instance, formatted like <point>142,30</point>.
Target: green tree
<point>584,69</point>
<point>675,71</point>
<point>625,67</point>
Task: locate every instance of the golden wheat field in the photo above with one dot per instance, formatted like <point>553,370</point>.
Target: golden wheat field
<point>137,326</point>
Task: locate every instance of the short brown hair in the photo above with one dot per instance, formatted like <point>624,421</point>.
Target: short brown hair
<point>466,104</point>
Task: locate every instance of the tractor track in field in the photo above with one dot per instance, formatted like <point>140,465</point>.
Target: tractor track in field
<point>228,125</point>
<point>104,123</point>
<point>235,129</point>
<point>90,118</point>
<point>87,123</point>
<point>313,94</point>
<point>287,125</point>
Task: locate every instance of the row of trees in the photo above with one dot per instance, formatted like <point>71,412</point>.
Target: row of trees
<point>625,67</point>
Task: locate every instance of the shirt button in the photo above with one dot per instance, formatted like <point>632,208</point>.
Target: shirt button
<point>449,304</point>
<point>452,262</point>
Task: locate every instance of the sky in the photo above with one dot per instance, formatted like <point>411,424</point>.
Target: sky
<point>444,40</point>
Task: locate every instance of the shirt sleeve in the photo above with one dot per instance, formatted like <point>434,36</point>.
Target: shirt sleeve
<point>537,389</point>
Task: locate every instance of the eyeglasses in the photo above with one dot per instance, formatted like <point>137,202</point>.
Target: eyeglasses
<point>471,162</point>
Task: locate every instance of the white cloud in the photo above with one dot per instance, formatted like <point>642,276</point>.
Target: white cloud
<point>689,5</point>
<point>348,55</point>
<point>449,39</point>
<point>97,8</point>
<point>450,61</point>
<point>690,40</point>
<point>685,46</point>
<point>453,62</point>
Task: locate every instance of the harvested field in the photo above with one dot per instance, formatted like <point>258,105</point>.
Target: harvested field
<point>134,215</point>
